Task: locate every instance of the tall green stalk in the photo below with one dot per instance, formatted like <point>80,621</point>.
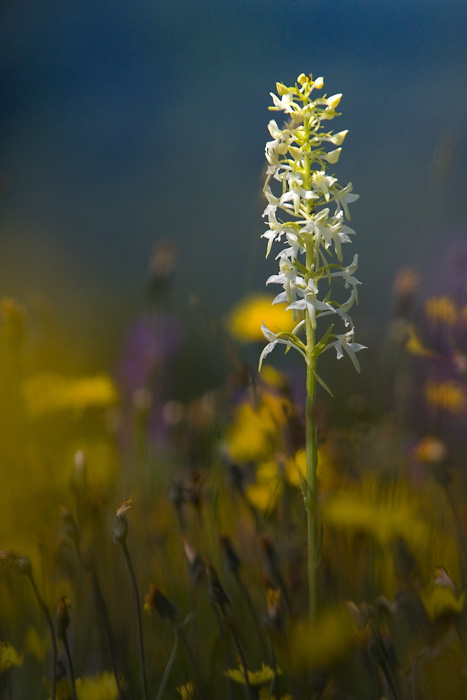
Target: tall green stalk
<point>311,437</point>
<point>313,528</point>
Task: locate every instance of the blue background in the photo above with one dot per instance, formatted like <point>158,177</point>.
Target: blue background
<point>125,123</point>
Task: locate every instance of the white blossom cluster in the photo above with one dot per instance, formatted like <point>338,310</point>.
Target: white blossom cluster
<point>307,211</point>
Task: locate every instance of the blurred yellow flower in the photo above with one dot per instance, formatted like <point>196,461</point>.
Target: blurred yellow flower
<point>441,309</point>
<point>320,644</point>
<point>264,675</point>
<point>186,691</point>
<point>52,393</point>
<point>448,396</point>
<point>263,494</point>
<point>255,432</point>
<point>414,345</point>
<point>273,378</point>
<point>62,688</point>
<point>440,599</point>
<point>383,521</point>
<point>295,468</point>
<point>9,657</point>
<point>244,321</point>
<point>103,686</point>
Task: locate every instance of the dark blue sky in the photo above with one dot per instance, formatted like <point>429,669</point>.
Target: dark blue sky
<point>122,123</point>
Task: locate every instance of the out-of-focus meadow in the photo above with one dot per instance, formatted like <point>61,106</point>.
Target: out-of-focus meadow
<point>153,531</point>
<point>115,491</point>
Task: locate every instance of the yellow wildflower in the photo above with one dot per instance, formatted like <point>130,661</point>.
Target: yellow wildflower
<point>263,494</point>
<point>186,691</point>
<point>274,378</point>
<point>47,394</point>
<point>321,643</point>
<point>100,687</point>
<point>62,688</point>
<point>35,644</point>
<point>264,675</point>
<point>254,434</point>
<point>448,396</point>
<point>440,598</point>
<point>384,522</point>
<point>441,309</point>
<point>9,657</point>
<point>295,469</point>
<point>414,345</point>
<point>244,321</point>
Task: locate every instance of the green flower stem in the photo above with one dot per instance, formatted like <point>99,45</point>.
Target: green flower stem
<point>105,627</point>
<point>168,668</point>
<point>138,617</point>
<point>313,529</point>
<point>70,666</point>
<point>311,445</point>
<point>251,608</point>
<point>44,609</point>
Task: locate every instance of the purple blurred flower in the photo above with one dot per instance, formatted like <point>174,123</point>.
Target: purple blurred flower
<point>145,374</point>
<point>152,342</point>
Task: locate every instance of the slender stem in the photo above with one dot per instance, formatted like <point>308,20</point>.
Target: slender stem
<point>191,660</point>
<point>119,673</point>
<point>138,618</point>
<point>248,689</point>
<point>43,607</point>
<point>168,667</point>
<point>70,666</point>
<point>251,608</point>
<point>313,529</point>
<point>105,628</point>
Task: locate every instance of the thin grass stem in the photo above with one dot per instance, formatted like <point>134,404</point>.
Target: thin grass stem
<point>169,666</point>
<point>138,617</point>
<point>53,639</point>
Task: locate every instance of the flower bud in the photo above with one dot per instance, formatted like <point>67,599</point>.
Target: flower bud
<point>231,557</point>
<point>333,156</point>
<point>120,529</point>
<point>63,619</point>
<point>281,89</point>
<point>217,593</point>
<point>334,100</point>
<point>156,599</point>
<point>337,139</point>
<point>18,564</point>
